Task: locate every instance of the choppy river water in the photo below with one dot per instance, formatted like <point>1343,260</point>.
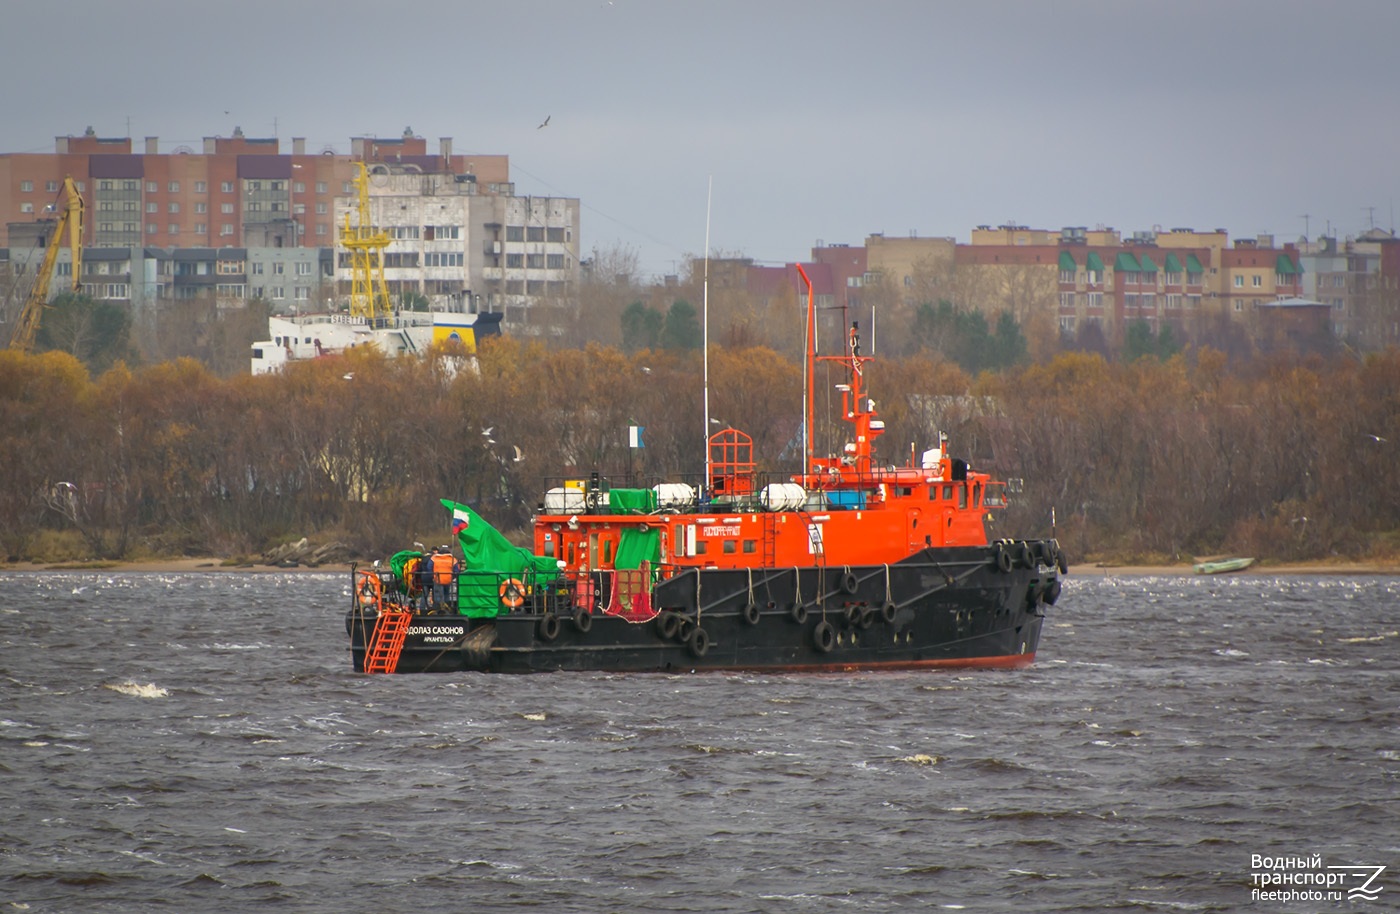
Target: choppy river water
<point>198,742</point>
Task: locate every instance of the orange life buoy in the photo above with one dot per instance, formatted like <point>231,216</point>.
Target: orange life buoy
<point>512,593</point>
<point>371,590</point>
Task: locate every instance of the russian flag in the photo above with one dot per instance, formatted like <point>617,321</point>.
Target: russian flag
<point>461,520</point>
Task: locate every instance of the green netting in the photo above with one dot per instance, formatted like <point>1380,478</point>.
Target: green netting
<point>636,546</point>
<point>488,559</point>
<point>631,501</point>
<point>398,560</point>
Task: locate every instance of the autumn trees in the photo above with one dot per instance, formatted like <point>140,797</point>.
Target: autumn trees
<point>1288,458</point>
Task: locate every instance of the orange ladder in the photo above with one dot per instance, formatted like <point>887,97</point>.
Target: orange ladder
<point>387,642</point>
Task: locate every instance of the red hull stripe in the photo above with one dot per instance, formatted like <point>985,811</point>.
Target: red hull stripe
<point>1008,662</point>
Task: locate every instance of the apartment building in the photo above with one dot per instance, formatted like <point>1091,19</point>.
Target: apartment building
<point>460,238</point>
<point>467,250</point>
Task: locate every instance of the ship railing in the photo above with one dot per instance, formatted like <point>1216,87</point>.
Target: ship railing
<point>625,593</point>
<point>746,493</point>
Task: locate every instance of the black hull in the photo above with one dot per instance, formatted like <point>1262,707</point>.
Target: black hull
<point>953,607</point>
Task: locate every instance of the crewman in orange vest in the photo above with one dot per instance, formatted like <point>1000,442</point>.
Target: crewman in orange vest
<point>445,569</point>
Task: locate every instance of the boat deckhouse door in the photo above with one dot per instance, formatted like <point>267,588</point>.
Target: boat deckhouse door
<point>593,550</point>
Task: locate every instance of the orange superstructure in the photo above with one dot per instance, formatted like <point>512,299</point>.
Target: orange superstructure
<point>844,510</point>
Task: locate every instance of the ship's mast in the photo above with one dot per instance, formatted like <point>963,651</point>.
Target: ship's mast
<point>808,377</point>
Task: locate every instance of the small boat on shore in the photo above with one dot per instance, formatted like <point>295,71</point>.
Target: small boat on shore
<point>850,564</point>
<point>1222,566</point>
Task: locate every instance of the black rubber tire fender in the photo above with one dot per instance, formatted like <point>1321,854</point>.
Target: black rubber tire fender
<point>824,637</point>
<point>848,582</point>
<point>1003,558</point>
<point>583,621</point>
<point>750,613</point>
<point>698,642</point>
<point>888,612</point>
<point>798,613</point>
<point>548,627</point>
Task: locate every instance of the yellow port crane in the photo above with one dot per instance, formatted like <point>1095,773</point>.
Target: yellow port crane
<point>70,217</point>
<point>369,296</point>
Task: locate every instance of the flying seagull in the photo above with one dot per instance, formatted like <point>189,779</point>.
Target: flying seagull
<point>545,123</point>
<point>518,455</point>
<point>486,432</point>
<point>1376,438</point>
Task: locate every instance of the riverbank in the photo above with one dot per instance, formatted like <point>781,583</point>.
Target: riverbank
<point>208,564</point>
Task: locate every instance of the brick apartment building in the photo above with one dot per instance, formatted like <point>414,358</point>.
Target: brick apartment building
<point>460,237</point>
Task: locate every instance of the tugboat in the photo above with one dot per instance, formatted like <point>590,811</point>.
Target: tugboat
<point>849,565</point>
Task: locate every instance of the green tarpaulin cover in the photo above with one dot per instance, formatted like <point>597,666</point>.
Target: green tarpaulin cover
<point>488,560</point>
<point>631,501</point>
<point>636,546</point>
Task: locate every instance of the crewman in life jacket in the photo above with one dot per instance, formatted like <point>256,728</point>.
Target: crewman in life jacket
<point>445,569</point>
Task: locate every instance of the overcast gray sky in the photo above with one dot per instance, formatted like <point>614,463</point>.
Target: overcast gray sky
<point>816,120</point>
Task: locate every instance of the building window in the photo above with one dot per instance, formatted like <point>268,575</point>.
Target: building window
<point>173,228</point>
<point>26,186</point>
<point>201,228</point>
<point>303,293</point>
<point>320,230</point>
<point>174,207</point>
<point>320,209</point>
<point>257,267</point>
<point>151,208</point>
<point>174,187</point>
<point>534,261</point>
<point>1066,301</point>
<point>201,207</point>
<point>534,233</point>
<point>226,208</point>
<point>278,293</point>
<point>515,233</point>
<point>226,187</point>
<point>150,228</point>
<point>303,268</point>
<point>320,187</point>
<point>226,229</point>
<point>129,206</point>
<point>51,186</point>
<point>151,187</point>
<point>104,185</point>
<point>555,234</point>
<point>515,261</point>
<point>277,268</point>
<point>200,187</point>
<point>555,261</point>
<point>26,207</point>
<point>299,187</point>
<point>1257,281</point>
<point>1239,282</point>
